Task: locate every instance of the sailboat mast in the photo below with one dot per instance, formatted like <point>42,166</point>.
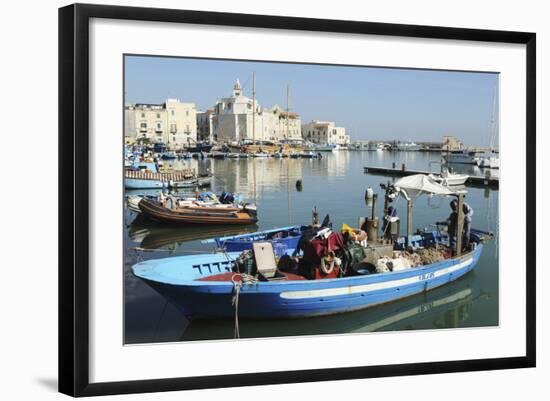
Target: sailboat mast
<point>254,107</point>
<point>287,109</point>
<point>288,161</point>
<point>493,118</point>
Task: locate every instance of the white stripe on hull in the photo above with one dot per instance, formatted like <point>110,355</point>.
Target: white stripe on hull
<point>333,292</point>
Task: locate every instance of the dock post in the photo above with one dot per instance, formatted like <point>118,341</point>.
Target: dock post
<point>403,167</point>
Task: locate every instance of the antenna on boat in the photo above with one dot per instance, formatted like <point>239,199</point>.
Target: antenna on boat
<point>314,217</point>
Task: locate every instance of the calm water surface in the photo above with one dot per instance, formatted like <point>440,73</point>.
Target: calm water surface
<point>336,185</point>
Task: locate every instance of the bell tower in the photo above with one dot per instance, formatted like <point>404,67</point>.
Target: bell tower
<point>237,89</point>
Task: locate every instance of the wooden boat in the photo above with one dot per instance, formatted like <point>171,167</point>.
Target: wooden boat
<point>284,240</point>
<point>204,215</point>
<point>331,277</point>
<point>202,286</point>
<point>147,176</point>
<point>199,202</point>
<point>452,299</point>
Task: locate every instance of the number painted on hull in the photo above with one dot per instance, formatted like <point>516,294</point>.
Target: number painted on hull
<point>426,276</point>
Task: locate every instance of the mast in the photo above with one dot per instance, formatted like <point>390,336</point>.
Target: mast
<point>288,161</point>
<point>287,109</point>
<point>254,107</point>
<point>493,118</point>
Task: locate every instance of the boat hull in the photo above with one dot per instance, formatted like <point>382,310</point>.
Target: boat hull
<point>197,298</point>
<point>459,158</point>
<point>155,211</point>
<point>137,183</point>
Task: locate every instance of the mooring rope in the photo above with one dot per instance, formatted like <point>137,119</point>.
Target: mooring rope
<point>237,285</point>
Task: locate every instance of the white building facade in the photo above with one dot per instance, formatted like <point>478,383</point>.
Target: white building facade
<point>173,123</point>
<point>238,119</point>
<point>325,132</point>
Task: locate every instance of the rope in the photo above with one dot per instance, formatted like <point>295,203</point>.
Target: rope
<point>139,257</point>
<point>237,285</point>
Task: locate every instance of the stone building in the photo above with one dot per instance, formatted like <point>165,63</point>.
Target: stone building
<point>325,132</point>
<point>451,143</point>
<point>172,122</point>
<point>239,119</point>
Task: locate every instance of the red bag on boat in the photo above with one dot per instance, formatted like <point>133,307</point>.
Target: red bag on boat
<point>317,248</point>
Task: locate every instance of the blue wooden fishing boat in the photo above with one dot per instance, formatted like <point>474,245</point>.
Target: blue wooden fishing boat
<point>203,286</point>
<point>284,240</point>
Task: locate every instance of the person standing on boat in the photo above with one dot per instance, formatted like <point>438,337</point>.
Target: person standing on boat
<point>452,223</point>
<point>468,213</point>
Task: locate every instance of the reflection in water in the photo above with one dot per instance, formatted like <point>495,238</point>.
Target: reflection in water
<point>447,307</point>
<point>334,184</point>
<point>151,235</point>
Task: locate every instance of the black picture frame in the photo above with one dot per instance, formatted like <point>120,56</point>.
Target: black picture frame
<point>74,200</point>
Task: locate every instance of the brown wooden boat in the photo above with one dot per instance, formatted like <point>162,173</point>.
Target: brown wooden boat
<point>185,215</point>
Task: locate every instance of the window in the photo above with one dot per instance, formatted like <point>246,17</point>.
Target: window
<point>158,115</point>
<point>173,128</point>
<point>187,129</point>
<point>143,125</point>
<point>142,115</point>
<point>187,113</point>
<point>158,127</point>
<point>172,112</point>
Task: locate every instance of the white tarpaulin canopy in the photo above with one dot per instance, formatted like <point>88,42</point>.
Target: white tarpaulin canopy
<point>419,184</point>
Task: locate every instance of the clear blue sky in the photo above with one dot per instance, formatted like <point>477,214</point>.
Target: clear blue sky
<point>372,103</point>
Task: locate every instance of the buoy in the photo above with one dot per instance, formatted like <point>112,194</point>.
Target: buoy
<point>369,193</point>
<point>299,185</point>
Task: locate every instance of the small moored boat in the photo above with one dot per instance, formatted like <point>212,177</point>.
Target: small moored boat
<point>173,213</point>
<point>148,176</point>
<point>448,178</point>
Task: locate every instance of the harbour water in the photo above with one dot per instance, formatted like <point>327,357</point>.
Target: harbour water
<point>336,185</point>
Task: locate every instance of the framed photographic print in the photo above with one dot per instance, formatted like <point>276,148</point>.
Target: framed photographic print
<point>250,199</point>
